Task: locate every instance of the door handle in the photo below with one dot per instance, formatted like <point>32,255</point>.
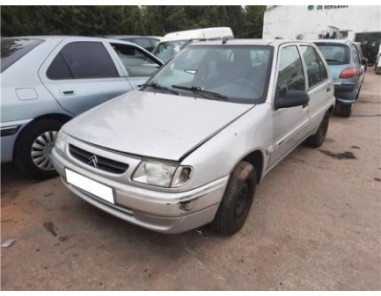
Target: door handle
<point>67,92</point>
<point>328,89</point>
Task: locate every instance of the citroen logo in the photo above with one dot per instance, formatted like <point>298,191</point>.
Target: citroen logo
<point>93,161</point>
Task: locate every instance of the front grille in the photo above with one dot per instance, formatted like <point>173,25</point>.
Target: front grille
<point>97,161</point>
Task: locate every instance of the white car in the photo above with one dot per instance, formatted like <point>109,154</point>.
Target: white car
<point>189,147</point>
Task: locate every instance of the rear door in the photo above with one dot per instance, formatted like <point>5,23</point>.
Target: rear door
<point>356,58</point>
<point>82,74</point>
<point>290,125</point>
<point>319,86</point>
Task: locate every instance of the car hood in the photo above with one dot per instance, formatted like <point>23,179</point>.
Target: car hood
<point>154,124</point>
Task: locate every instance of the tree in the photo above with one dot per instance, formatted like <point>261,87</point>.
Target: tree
<point>253,24</point>
<point>132,20</point>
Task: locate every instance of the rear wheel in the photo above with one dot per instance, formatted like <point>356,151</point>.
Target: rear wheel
<point>346,110</point>
<point>317,139</point>
<point>33,148</point>
<point>237,200</point>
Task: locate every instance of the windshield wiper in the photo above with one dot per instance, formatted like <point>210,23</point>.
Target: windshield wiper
<point>157,86</point>
<point>205,93</point>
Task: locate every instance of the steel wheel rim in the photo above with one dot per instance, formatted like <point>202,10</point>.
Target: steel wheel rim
<point>242,202</point>
<point>41,149</point>
<point>323,128</point>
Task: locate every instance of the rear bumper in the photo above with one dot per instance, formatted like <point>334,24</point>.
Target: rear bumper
<point>344,88</point>
<point>346,93</point>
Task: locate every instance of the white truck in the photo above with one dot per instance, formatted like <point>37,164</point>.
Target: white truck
<point>173,42</point>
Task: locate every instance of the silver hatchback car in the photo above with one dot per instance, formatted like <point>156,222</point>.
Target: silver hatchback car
<point>45,81</point>
<point>189,146</point>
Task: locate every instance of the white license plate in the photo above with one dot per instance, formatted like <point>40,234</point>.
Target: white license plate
<point>102,191</point>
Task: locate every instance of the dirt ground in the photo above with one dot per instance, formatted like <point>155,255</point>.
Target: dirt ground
<point>315,225</point>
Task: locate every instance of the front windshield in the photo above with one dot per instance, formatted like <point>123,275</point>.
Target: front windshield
<point>237,73</point>
<point>167,50</point>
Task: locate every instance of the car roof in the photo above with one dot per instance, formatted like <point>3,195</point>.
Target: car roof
<point>54,37</point>
<point>71,38</point>
<point>337,41</point>
<point>272,42</point>
<point>133,36</point>
<point>202,33</point>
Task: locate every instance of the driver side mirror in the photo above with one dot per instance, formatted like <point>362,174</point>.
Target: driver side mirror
<point>292,98</point>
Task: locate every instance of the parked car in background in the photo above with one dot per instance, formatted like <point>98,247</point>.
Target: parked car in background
<point>364,59</point>
<point>45,81</point>
<point>347,68</point>
<point>147,42</point>
<point>172,43</point>
<point>377,65</point>
<point>188,147</point>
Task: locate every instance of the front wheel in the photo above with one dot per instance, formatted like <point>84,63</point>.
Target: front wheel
<point>237,200</point>
<point>33,149</point>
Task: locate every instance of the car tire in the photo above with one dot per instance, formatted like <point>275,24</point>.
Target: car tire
<point>236,203</point>
<point>33,147</point>
<point>345,110</point>
<point>317,139</point>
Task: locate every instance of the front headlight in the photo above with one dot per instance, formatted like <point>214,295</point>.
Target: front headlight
<point>162,174</point>
<point>61,141</point>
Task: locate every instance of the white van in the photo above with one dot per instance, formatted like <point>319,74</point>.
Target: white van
<point>172,43</point>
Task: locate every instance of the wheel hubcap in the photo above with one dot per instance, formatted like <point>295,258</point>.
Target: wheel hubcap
<point>41,149</point>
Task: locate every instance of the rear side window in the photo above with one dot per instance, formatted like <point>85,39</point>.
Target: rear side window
<point>335,53</point>
<point>290,73</point>
<point>78,60</point>
<point>316,71</point>
<point>13,49</point>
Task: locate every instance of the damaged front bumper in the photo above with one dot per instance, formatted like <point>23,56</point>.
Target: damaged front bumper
<point>167,212</point>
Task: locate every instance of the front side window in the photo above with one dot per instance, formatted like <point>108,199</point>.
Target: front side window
<point>78,60</point>
<point>136,62</point>
<point>230,72</point>
<point>143,42</point>
<point>290,73</point>
<point>167,50</point>
<point>316,71</point>
<point>355,54</point>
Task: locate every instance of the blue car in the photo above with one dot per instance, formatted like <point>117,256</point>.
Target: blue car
<point>47,80</point>
<point>348,69</point>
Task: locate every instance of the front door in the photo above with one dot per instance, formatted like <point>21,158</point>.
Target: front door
<point>290,125</point>
<point>318,84</point>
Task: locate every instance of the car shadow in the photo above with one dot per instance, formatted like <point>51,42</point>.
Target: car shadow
<point>13,178</point>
